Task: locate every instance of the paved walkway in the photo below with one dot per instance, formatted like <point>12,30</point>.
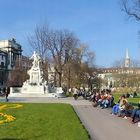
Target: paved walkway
<point>69,100</point>
<point>100,124</point>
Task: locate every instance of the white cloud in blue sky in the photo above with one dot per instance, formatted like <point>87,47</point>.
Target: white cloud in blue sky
<point>99,23</point>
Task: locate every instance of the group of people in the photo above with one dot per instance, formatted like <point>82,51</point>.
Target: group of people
<point>5,91</point>
<point>77,92</point>
<point>104,98</point>
<point>123,108</point>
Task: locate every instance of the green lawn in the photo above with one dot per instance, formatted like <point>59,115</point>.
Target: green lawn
<point>43,122</point>
<point>133,101</point>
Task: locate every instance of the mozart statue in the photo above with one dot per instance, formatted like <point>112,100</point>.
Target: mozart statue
<point>36,60</point>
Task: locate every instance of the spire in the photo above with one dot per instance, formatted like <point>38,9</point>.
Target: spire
<point>126,56</point>
<point>127,60</point>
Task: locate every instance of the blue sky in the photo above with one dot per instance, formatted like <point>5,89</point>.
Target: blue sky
<point>99,23</point>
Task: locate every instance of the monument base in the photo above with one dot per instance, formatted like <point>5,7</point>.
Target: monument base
<point>33,89</point>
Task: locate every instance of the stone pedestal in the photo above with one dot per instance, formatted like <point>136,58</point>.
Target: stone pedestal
<point>29,89</point>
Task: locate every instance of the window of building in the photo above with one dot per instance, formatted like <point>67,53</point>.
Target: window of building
<point>2,57</point>
<point>2,64</point>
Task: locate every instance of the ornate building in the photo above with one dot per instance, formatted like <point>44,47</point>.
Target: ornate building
<point>10,53</point>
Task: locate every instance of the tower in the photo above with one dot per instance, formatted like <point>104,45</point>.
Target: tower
<point>127,60</point>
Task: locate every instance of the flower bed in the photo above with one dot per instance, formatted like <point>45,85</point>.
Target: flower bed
<point>4,118</point>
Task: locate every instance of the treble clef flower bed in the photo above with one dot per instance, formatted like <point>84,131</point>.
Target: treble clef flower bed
<point>5,118</point>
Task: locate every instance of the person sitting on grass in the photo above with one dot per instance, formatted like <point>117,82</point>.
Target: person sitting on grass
<point>136,113</point>
<point>125,110</point>
<point>117,107</point>
<point>135,94</point>
<point>101,99</point>
<point>106,101</point>
<point>96,98</point>
<point>111,100</point>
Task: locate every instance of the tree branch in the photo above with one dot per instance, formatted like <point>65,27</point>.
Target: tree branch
<point>131,11</point>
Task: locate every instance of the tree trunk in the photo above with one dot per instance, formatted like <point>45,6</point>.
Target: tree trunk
<point>60,79</point>
<point>69,84</point>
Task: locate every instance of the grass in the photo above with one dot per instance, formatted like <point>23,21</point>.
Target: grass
<point>133,101</point>
<point>43,122</point>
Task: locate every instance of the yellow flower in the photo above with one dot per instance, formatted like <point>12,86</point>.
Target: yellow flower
<point>8,118</point>
<point>2,107</point>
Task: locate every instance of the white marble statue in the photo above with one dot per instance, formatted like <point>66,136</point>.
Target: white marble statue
<point>36,84</point>
<point>36,60</point>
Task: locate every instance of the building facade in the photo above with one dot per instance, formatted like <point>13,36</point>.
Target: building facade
<point>107,74</point>
<point>10,54</point>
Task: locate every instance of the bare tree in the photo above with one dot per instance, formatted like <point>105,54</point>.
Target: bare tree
<point>127,80</point>
<point>38,40</point>
<point>17,76</point>
<point>132,8</point>
<point>71,59</point>
<point>118,63</point>
<point>63,44</point>
<point>56,45</point>
<point>81,70</point>
<point>136,63</point>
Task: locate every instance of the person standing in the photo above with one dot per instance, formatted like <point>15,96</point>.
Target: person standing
<point>7,93</point>
<point>75,93</point>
